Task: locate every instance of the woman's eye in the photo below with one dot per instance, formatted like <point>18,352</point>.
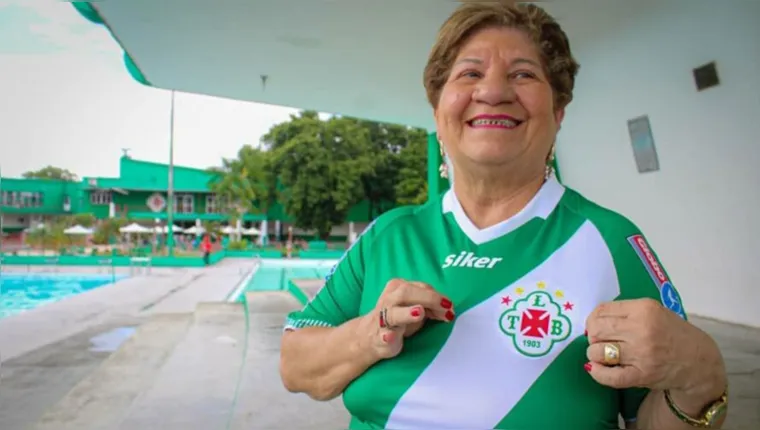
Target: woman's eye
<point>471,74</point>
<point>523,75</point>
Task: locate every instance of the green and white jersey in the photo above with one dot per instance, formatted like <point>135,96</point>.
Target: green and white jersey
<point>522,290</point>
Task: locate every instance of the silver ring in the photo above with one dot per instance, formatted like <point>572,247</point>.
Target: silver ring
<point>384,323</point>
<point>384,318</point>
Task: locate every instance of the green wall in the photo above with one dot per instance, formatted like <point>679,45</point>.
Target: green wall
<point>140,179</point>
<point>53,194</point>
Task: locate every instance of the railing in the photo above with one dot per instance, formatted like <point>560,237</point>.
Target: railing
<point>137,263</point>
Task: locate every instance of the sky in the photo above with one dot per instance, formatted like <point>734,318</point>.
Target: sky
<point>67,100</point>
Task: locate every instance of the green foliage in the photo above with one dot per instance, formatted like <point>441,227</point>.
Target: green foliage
<point>213,228</point>
<point>242,181</point>
<point>50,236</point>
<point>411,188</point>
<point>107,230</point>
<point>51,172</point>
<point>83,219</point>
<point>319,169</point>
<point>237,245</point>
<point>388,141</point>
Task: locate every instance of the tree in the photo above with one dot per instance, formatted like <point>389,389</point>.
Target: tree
<point>319,165</point>
<point>83,219</point>
<point>51,172</point>
<point>242,182</point>
<point>108,230</point>
<point>411,188</point>
<point>387,141</point>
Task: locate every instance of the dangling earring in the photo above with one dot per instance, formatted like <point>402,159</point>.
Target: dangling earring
<point>549,169</point>
<point>443,170</point>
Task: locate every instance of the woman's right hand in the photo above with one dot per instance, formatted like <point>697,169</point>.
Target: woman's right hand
<point>407,305</point>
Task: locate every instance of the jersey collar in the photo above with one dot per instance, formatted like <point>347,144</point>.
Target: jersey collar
<point>542,204</point>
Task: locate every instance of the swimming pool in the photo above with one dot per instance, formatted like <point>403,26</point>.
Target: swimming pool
<point>274,274</point>
<point>20,292</point>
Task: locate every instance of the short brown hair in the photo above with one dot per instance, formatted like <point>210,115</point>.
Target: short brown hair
<point>554,47</point>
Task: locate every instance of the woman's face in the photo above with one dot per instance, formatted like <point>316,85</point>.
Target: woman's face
<point>497,107</point>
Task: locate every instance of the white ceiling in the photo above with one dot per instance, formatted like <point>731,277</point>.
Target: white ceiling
<point>361,58</point>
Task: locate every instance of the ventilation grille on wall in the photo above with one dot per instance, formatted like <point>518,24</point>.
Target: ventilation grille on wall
<point>706,76</point>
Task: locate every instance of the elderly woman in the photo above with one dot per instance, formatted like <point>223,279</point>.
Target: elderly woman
<point>512,301</point>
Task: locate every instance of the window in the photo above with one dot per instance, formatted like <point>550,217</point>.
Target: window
<point>100,197</point>
<point>22,199</point>
<point>212,206</point>
<point>183,203</point>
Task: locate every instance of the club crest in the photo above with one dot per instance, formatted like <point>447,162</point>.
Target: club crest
<point>536,321</point>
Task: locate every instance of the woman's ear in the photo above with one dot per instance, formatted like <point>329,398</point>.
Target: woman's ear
<point>559,115</point>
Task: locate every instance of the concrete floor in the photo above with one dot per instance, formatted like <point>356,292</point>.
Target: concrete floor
<point>105,376</point>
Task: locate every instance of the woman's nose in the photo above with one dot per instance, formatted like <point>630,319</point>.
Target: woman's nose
<point>494,89</point>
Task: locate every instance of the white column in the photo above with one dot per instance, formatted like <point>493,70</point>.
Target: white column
<point>278,230</point>
<point>264,232</point>
<point>351,232</point>
<point>111,210</point>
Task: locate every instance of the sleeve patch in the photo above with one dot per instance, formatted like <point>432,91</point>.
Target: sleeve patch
<point>668,294</point>
<point>647,257</point>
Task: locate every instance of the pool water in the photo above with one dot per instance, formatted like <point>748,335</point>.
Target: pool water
<point>273,275</point>
<point>22,292</point>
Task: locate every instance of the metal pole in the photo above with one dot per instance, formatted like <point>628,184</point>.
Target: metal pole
<point>170,191</point>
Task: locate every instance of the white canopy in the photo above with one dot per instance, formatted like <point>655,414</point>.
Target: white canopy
<point>35,227</point>
<point>228,229</point>
<point>135,228</point>
<point>195,230</point>
<point>78,230</point>
<point>165,229</point>
<point>253,231</point>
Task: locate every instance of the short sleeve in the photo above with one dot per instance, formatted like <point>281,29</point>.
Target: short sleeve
<point>339,299</point>
<point>641,275</point>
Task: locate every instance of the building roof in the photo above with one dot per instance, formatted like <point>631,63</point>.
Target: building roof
<point>141,175</point>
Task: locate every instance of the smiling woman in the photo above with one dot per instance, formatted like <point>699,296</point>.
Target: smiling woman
<point>474,309</point>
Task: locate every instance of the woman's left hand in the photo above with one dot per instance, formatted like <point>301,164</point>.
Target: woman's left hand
<point>658,350</point>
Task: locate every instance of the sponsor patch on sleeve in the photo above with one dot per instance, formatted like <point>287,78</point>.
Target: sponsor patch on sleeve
<point>668,294</point>
<point>647,257</point>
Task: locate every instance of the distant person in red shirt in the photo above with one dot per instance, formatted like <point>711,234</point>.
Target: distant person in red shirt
<point>206,249</point>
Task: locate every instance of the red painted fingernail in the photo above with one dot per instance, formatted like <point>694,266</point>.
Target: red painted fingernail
<point>585,333</point>
<point>450,316</point>
<point>587,366</point>
<point>446,303</point>
<point>387,337</point>
<point>415,312</point>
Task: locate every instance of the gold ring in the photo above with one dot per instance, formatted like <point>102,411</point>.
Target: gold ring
<point>611,354</point>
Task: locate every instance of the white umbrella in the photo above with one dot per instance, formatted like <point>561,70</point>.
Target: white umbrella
<point>165,229</point>
<point>34,228</point>
<point>135,228</point>
<point>78,230</point>
<point>228,229</point>
<point>253,231</point>
<point>195,230</point>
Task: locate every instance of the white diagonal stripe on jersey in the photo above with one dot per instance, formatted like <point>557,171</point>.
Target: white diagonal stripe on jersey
<point>478,376</point>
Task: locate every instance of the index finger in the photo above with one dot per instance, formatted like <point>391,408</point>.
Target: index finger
<point>418,293</point>
<point>617,309</point>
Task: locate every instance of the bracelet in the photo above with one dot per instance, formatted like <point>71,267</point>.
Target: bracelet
<point>710,414</point>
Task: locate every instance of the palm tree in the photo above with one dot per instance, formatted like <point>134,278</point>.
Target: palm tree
<point>241,182</point>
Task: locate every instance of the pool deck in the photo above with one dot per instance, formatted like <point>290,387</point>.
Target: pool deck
<point>172,355</point>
